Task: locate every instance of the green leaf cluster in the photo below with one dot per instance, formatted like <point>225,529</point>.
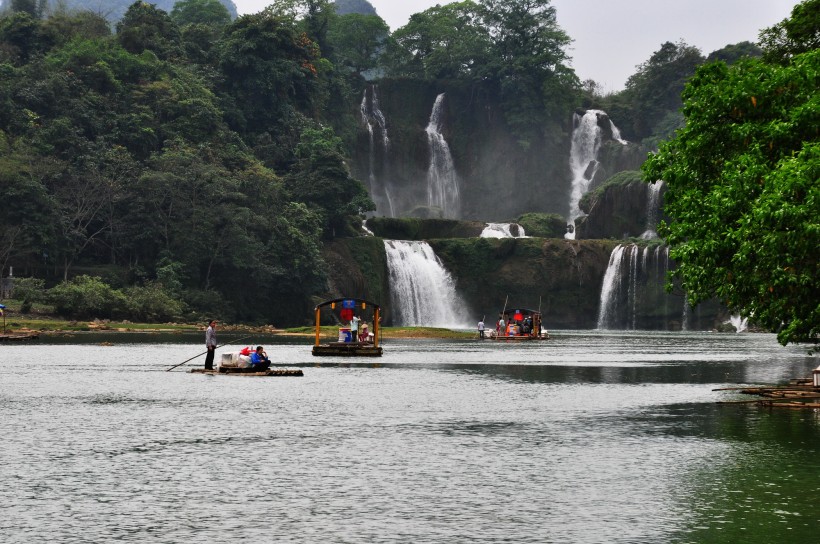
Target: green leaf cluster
<point>744,193</point>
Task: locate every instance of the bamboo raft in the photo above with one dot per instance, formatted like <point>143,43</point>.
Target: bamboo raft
<point>799,393</point>
<point>348,349</point>
<point>21,337</point>
<point>249,372</point>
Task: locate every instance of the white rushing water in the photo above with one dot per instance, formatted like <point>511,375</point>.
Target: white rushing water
<point>633,295</point>
<point>587,137</point>
<point>503,230</point>
<point>653,209</point>
<point>422,291</point>
<point>442,178</point>
<point>739,323</point>
<point>375,121</point>
<point>610,288</point>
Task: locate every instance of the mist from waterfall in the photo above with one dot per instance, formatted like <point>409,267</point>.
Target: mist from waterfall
<point>587,137</point>
<point>442,178</point>
<point>653,210</point>
<point>422,291</point>
<point>375,121</point>
<point>503,230</point>
<point>633,295</point>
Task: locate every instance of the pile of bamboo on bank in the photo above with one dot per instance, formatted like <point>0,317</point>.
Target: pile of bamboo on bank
<point>799,393</point>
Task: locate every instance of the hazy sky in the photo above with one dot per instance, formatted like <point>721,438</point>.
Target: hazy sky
<point>613,36</point>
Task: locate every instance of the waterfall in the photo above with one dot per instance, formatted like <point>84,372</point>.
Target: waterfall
<point>374,120</point>
<point>632,293</point>
<point>653,209</point>
<point>610,289</point>
<point>422,292</point>
<point>739,323</point>
<point>503,230</point>
<point>587,136</point>
<point>442,179</point>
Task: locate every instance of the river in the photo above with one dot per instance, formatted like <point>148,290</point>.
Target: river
<point>589,437</point>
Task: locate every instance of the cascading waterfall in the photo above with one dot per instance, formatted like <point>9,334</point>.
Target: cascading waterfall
<point>374,120</point>
<point>587,136</point>
<point>653,209</point>
<point>422,292</point>
<point>632,293</point>
<point>610,289</point>
<point>442,179</point>
<point>739,323</point>
<point>503,230</point>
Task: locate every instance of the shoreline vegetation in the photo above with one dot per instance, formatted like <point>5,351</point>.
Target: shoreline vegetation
<point>17,324</point>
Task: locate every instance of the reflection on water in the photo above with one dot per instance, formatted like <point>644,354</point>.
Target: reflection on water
<point>590,437</point>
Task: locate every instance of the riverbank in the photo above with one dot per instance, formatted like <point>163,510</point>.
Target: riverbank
<point>47,325</point>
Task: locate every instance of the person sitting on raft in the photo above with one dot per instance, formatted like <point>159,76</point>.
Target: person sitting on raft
<point>259,360</point>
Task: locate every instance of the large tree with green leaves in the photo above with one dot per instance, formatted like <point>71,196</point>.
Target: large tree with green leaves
<point>743,191</point>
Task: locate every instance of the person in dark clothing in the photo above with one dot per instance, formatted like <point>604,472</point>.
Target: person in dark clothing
<point>210,344</point>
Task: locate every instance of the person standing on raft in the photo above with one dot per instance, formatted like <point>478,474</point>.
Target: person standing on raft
<point>354,329</point>
<point>481,329</point>
<point>210,344</point>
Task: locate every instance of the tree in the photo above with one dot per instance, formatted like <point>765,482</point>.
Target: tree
<point>362,7</point>
<point>442,42</point>
<point>321,180</point>
<point>655,89</point>
<point>743,192</point>
<point>732,53</point>
<point>205,12</point>
<point>144,27</point>
<point>358,40</point>
<point>270,70</point>
<point>797,34</point>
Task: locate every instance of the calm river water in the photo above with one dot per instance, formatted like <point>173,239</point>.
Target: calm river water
<point>590,437</point>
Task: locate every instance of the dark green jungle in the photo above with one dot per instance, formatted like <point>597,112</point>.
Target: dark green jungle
<point>170,161</point>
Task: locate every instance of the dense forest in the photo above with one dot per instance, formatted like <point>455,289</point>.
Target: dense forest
<point>181,162</point>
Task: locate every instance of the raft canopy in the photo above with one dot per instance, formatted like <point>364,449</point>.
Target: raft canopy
<point>347,307</point>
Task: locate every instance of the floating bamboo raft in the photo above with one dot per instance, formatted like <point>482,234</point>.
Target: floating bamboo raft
<point>19,337</point>
<point>799,393</point>
<point>348,349</point>
<point>249,372</point>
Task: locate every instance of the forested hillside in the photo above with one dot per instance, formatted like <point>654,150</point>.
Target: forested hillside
<point>180,162</point>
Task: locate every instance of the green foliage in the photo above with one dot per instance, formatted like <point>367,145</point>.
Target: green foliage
<point>204,12</point>
<point>29,291</point>
<point>797,34</point>
<point>743,192</point>
<point>358,40</point>
<point>655,89</point>
<point>543,225</point>
<point>86,297</point>
<point>362,7</point>
<point>733,53</point>
<point>146,28</point>
<point>150,303</point>
<point>321,179</point>
<point>516,46</point>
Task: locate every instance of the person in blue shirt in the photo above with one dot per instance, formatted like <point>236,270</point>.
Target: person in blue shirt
<point>259,359</point>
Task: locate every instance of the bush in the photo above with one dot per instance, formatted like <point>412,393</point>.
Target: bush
<point>28,291</point>
<point>86,297</point>
<point>151,303</point>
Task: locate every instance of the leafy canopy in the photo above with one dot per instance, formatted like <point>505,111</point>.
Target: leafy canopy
<point>743,191</point>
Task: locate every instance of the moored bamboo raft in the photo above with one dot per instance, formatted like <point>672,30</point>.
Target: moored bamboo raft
<point>19,337</point>
<point>348,349</point>
<point>249,372</point>
<point>798,394</point>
